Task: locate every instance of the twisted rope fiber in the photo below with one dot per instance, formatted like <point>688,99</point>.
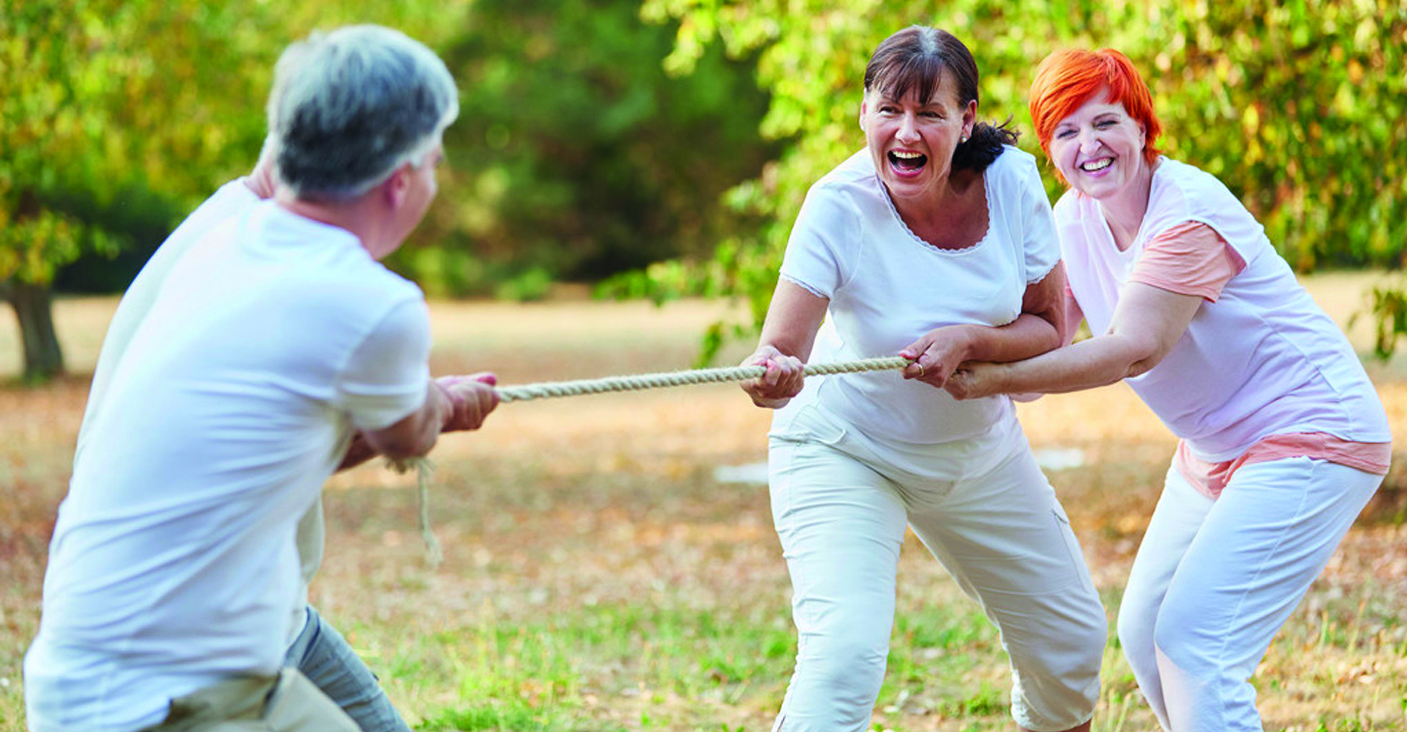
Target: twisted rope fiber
<point>547,390</point>
<point>552,389</point>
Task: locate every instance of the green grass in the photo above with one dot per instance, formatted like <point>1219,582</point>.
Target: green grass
<point>597,577</point>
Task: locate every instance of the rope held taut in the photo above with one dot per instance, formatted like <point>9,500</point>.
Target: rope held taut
<point>551,389</point>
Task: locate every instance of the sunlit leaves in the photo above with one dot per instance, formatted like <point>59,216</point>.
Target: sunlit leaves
<point>1299,107</point>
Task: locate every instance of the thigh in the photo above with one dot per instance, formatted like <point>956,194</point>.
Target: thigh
<point>1003,533</point>
<point>841,526</point>
<point>297,705</point>
<point>1266,538</point>
<point>328,660</point>
<point>1176,520</point>
<point>286,703</point>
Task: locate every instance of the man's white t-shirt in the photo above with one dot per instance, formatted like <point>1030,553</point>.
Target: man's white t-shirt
<point>887,287</point>
<point>173,563</point>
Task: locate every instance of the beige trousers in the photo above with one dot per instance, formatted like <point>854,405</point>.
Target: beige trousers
<point>288,702</point>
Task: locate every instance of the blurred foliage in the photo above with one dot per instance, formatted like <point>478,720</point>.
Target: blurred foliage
<point>604,135</point>
<point>1298,106</point>
<point>575,156</point>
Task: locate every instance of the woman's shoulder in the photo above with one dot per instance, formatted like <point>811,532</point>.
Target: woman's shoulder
<point>1187,190</point>
<point>1013,162</point>
<point>852,184</point>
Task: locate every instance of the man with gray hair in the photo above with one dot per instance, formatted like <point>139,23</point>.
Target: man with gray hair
<point>273,349</point>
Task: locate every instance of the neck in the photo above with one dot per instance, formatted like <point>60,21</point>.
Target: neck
<point>353,214</point>
<point>1124,210</point>
<point>941,205</point>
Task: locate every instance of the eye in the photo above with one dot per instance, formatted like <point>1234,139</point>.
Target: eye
<point>1104,124</point>
<point>1064,134</point>
<point>931,115</point>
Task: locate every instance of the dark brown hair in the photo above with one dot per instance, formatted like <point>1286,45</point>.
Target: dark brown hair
<point>912,62</point>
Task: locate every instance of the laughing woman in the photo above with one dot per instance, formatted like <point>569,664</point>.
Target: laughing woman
<point>935,242</point>
<point>1284,439</point>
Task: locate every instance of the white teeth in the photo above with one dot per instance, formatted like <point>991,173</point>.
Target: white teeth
<point>1097,165</point>
<point>906,155</point>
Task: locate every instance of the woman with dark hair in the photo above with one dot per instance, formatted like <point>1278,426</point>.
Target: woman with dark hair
<point>1283,437</point>
<point>934,242</point>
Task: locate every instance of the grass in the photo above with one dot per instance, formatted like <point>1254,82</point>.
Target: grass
<point>598,577</point>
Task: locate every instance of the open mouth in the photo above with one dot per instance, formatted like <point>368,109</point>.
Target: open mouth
<point>1094,166</point>
<point>907,162</point>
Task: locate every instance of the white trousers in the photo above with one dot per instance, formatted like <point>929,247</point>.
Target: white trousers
<point>841,502</point>
<point>1215,580</point>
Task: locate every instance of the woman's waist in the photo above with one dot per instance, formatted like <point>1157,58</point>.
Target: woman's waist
<point>895,410</point>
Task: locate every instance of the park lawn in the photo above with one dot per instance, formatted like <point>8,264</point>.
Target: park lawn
<point>599,576</point>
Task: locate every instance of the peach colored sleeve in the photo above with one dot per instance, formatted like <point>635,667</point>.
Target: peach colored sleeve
<point>1188,259</point>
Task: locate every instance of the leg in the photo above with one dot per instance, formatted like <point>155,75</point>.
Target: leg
<point>1267,537</point>
<point>287,702</point>
<point>1180,512</point>
<point>1005,539</point>
<point>840,527</point>
<point>325,657</point>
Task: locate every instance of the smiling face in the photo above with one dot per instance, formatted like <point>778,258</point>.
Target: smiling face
<point>1098,148</point>
<point>911,141</point>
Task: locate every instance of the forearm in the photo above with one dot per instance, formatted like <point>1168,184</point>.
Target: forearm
<point>416,434</point>
<point>358,452</point>
<point>1027,336</point>
<point>1088,364</point>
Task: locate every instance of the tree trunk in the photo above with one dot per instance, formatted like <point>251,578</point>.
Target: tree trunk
<point>34,308</point>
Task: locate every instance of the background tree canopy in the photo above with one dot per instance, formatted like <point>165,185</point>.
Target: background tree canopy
<point>1300,107</point>
<point>600,137</point>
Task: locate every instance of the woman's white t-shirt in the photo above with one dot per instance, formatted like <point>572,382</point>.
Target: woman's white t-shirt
<point>1260,359</point>
<point>887,287</point>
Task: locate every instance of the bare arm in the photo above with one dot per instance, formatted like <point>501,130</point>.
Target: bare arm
<point>1147,323</point>
<point>452,404</point>
<point>788,334</point>
<point>1041,326</point>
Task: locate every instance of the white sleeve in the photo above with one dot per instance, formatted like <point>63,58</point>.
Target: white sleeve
<point>822,243</point>
<point>388,374</point>
<point>1039,244</point>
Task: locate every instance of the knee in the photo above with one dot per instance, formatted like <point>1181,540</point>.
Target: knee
<point>849,665</point>
<point>1136,624</point>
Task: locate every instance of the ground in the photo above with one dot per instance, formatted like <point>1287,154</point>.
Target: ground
<point>600,576</point>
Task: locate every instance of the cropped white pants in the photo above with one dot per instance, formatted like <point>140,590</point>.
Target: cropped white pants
<point>1215,580</point>
<point>841,502</point>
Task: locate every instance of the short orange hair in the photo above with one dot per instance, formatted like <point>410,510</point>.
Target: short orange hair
<point>1067,79</point>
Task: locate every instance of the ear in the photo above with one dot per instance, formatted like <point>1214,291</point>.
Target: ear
<point>397,187</point>
<point>864,105</point>
<point>969,118</point>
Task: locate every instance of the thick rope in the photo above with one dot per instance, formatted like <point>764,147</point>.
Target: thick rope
<point>553,389</point>
<point>546,390</point>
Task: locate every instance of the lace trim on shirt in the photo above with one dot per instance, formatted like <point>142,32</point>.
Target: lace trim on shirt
<point>986,194</point>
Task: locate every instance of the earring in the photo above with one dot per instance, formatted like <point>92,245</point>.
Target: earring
<point>962,140</point>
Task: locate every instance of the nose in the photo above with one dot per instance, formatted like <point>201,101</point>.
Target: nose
<point>908,129</point>
<point>1089,142</point>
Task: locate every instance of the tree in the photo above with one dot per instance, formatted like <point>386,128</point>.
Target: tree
<point>576,155</point>
<point>108,97</point>
<point>1297,107</point>
<point>90,97</point>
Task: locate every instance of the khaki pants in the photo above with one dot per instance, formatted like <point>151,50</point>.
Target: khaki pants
<point>288,702</point>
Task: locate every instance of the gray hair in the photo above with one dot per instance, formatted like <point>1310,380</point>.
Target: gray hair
<point>350,106</point>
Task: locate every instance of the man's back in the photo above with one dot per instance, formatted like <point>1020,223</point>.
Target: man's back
<point>261,352</point>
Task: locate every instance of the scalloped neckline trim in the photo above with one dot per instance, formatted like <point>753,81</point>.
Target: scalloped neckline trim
<point>986,194</point>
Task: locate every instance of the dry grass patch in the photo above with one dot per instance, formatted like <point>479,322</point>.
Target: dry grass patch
<point>599,577</point>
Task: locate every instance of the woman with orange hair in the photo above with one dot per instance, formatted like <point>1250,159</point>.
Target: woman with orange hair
<point>1283,437</point>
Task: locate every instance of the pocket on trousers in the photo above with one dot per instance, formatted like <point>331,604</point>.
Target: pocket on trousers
<point>1072,547</point>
